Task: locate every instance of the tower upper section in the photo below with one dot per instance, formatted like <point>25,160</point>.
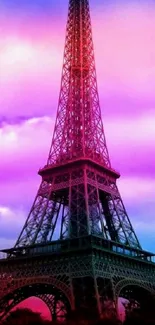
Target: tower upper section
<point>78,129</point>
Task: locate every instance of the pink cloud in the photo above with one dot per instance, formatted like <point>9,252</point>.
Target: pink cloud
<point>130,144</point>
<point>29,139</point>
<point>137,190</point>
<point>31,60</point>
<point>125,50</point>
<point>29,76</point>
<point>11,221</point>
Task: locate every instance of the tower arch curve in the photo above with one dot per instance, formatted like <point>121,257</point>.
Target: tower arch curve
<point>54,296</point>
<point>132,282</point>
<point>135,294</point>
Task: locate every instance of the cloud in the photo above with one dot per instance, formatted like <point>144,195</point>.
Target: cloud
<point>145,227</point>
<point>11,223</point>
<point>137,189</point>
<point>131,144</point>
<point>10,217</point>
<point>138,130</point>
<point>31,60</point>
<point>29,77</point>
<point>6,243</point>
<point>125,56</point>
<point>145,232</point>
<point>125,31</point>
<point>24,146</point>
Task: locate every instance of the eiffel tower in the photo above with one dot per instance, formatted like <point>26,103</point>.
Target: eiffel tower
<point>77,251</point>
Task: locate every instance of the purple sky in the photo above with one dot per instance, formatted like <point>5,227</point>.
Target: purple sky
<point>31,50</point>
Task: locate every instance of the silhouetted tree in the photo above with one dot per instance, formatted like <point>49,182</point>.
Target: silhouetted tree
<point>140,314</point>
<point>24,316</point>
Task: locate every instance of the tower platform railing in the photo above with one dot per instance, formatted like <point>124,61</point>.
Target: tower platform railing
<point>86,243</point>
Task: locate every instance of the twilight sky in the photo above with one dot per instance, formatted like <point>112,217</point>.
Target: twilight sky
<point>32,34</point>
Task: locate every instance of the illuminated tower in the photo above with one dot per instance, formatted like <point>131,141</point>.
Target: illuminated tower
<point>77,240</point>
<point>78,195</point>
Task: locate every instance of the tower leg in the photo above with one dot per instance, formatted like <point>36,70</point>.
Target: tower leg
<point>54,315</point>
<point>72,292</point>
<point>97,298</point>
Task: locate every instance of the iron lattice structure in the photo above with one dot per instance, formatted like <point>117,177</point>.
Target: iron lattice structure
<point>78,186</point>
<point>97,253</point>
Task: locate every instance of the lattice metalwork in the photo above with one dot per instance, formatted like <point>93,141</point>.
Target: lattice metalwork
<point>78,130</point>
<point>78,201</point>
<point>84,282</point>
<point>54,299</point>
<point>75,203</point>
<point>78,195</point>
